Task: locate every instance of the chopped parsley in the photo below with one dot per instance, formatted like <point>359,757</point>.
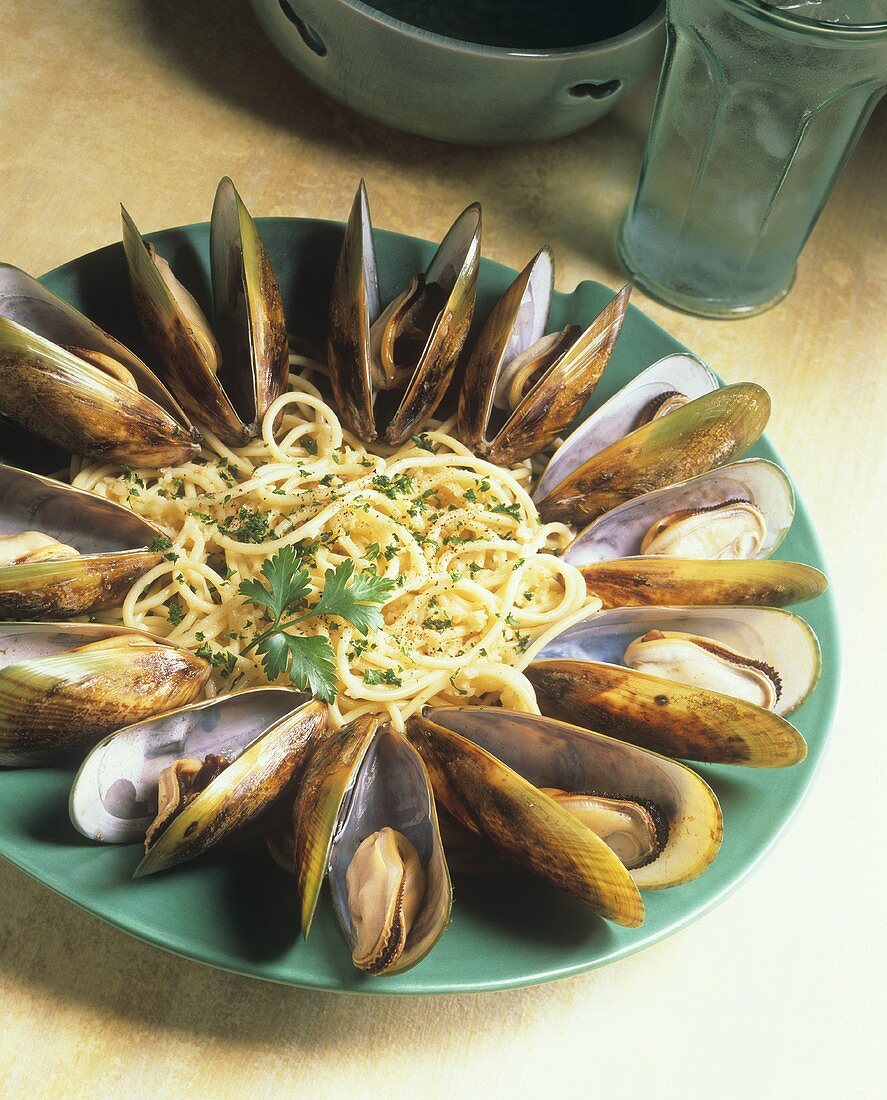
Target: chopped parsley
<point>374,676</point>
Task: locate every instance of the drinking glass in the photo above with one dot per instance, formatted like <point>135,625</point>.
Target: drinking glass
<point>758,108</point>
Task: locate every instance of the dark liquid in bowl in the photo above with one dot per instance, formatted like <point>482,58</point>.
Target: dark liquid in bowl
<point>521,24</point>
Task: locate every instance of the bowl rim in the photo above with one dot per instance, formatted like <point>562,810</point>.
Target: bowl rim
<point>639,31</point>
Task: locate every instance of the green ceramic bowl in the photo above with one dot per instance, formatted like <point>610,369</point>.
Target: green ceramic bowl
<point>238,910</point>
<point>458,91</point>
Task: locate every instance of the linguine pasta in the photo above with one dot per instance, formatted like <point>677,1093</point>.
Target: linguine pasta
<point>479,588</point>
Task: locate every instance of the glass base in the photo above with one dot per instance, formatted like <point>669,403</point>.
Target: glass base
<point>700,307</point>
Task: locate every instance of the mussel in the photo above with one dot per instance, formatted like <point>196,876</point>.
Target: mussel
<point>643,439</point>
<point>65,685</point>
<point>742,510</point>
<point>660,818</point>
<point>408,350</point>
<point>115,792</point>
<point>227,376</point>
<point>365,817</point>
<point>529,827</point>
<point>640,581</point>
<point>700,696</point>
<point>260,745</point>
<point>66,380</point>
<point>66,552</point>
<point>539,382</point>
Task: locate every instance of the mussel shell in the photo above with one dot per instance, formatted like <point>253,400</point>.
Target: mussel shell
<point>622,414</point>
<point>391,788</point>
<point>548,753</point>
<point>777,638</point>
<point>57,395</point>
<point>620,532</point>
<point>354,305</point>
<point>114,794</point>
<point>708,432</point>
<point>113,542</point>
<point>528,826</point>
<point>231,394</point>
<point>329,776</point>
<point>264,772</point>
<point>662,715</point>
<point>675,582</point>
<point>515,324</point>
<point>454,266</point>
<point>554,401</point>
<point>169,331</point>
<point>53,701</point>
<point>249,320</point>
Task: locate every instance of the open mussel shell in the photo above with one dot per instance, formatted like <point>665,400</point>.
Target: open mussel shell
<point>391,791</point>
<point>633,582</point>
<point>708,432</point>
<point>667,717</point>
<point>528,826</point>
<point>629,408</point>
<point>620,533</point>
<point>114,794</point>
<point>328,777</point>
<point>422,374</point>
<point>265,771</point>
<point>113,548</point>
<point>781,640</point>
<point>226,378</point>
<point>56,695</point>
<point>555,381</point>
<point>66,380</point>
<point>580,677</point>
<point>361,780</point>
<point>249,320</point>
<point>551,754</point>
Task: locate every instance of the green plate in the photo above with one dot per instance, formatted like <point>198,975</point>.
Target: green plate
<point>238,910</point>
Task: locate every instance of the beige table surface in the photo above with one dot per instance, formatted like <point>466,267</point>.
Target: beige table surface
<point>778,992</point>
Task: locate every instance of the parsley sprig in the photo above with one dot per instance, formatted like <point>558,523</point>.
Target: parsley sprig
<point>309,660</point>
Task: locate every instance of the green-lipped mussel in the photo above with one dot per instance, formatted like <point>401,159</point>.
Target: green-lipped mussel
<point>63,686</point>
<point>365,818</point>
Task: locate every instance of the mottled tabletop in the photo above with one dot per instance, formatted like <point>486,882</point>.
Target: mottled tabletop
<point>778,992</point>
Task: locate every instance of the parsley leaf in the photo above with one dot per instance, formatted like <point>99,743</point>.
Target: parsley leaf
<point>356,603</point>
<point>288,583</point>
<point>392,487</point>
<point>249,526</point>
<point>312,666</point>
<point>309,659</point>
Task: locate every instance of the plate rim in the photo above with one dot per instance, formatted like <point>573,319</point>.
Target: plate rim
<point>828,692</point>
